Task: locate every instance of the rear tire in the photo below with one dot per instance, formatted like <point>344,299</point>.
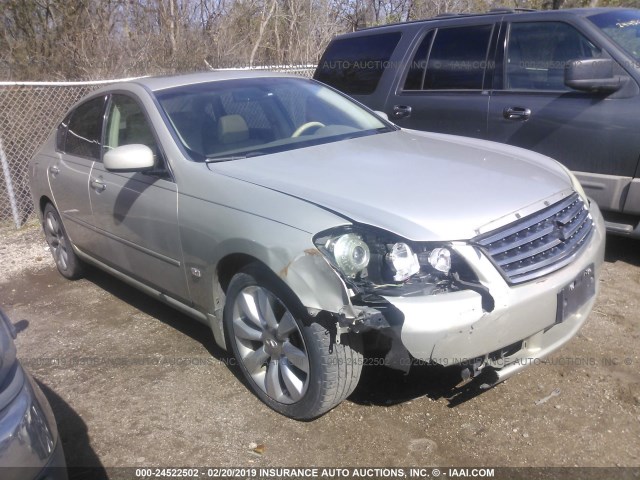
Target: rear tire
<point>291,362</point>
<point>68,263</point>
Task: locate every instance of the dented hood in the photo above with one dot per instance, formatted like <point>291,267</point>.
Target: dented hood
<point>419,185</point>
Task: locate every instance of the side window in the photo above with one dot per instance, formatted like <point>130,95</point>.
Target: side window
<point>355,65</point>
<point>127,124</point>
<point>457,59</point>
<point>418,66</point>
<point>85,130</point>
<point>61,135</point>
<point>538,52</point>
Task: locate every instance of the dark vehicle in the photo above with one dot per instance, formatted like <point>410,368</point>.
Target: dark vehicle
<point>563,83</point>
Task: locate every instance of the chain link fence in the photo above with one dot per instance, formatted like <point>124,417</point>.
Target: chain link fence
<point>28,113</point>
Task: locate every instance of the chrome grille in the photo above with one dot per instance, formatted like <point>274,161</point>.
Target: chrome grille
<point>540,243</point>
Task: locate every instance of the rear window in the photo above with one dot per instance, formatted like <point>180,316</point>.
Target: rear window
<point>458,58</point>
<point>355,65</point>
<point>84,130</point>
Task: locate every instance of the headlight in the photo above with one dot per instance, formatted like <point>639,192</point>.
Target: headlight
<point>575,184</point>
<point>381,258</point>
<point>440,259</point>
<point>403,261</point>
<point>351,254</point>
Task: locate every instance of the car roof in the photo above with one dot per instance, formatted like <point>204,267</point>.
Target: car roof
<point>446,17</point>
<point>165,82</point>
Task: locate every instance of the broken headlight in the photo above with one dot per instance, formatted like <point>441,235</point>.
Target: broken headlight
<point>350,253</point>
<point>368,256</point>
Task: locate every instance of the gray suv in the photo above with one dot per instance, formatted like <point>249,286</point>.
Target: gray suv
<point>563,83</point>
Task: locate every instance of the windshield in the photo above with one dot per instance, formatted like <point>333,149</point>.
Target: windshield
<point>230,119</point>
<point>623,27</point>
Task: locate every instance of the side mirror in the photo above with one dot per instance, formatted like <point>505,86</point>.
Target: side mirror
<point>129,158</point>
<point>593,75</point>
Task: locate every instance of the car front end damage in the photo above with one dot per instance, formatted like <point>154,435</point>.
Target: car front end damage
<point>494,304</point>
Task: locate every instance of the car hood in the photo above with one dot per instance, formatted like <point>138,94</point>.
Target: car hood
<point>418,185</point>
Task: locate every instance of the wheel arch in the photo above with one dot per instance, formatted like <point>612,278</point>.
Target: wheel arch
<point>231,264</point>
<point>42,203</point>
<point>307,276</point>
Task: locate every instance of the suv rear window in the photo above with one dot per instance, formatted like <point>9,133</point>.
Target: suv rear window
<point>355,65</point>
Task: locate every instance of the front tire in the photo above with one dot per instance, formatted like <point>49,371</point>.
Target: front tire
<point>68,263</point>
<point>291,362</point>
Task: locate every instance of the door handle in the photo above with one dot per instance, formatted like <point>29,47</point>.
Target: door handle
<point>98,185</point>
<point>516,113</point>
<point>53,170</point>
<point>401,111</point>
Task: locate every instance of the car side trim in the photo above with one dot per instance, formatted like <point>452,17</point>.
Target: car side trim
<point>169,260</point>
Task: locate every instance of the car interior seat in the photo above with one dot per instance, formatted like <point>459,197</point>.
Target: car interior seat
<point>232,134</point>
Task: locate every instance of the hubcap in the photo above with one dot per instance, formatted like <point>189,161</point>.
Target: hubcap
<point>55,239</point>
<point>270,345</point>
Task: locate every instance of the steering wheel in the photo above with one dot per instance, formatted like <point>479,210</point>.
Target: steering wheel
<point>306,126</point>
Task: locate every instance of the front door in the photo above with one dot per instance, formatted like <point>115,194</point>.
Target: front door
<point>590,133</point>
<point>136,214</point>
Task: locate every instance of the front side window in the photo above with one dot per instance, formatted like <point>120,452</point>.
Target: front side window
<point>538,52</point>
<point>355,65</point>
<point>456,59</point>
<point>127,125</point>
<point>85,130</point>
<point>258,116</point>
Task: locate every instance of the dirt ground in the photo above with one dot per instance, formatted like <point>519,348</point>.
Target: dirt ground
<point>132,382</point>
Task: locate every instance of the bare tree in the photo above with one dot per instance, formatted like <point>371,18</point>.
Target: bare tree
<point>87,39</point>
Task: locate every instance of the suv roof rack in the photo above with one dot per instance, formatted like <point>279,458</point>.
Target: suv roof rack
<point>493,11</point>
<point>512,10</point>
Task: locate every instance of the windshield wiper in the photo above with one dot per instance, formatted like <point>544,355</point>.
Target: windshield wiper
<point>231,158</point>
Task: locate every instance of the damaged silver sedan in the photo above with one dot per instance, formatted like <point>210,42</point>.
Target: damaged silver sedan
<point>292,220</point>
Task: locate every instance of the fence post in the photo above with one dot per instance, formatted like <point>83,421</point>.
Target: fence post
<point>7,180</point>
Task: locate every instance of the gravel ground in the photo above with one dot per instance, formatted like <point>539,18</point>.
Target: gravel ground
<point>134,383</point>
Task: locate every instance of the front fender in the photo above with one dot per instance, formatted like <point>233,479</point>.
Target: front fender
<point>310,278</point>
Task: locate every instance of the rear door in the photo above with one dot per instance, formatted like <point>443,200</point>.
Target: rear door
<point>445,86</point>
<point>530,107</point>
<point>358,65</point>
<point>78,144</point>
<point>136,214</point>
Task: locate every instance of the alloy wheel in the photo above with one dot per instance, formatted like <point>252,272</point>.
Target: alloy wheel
<point>270,345</point>
<point>56,240</point>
